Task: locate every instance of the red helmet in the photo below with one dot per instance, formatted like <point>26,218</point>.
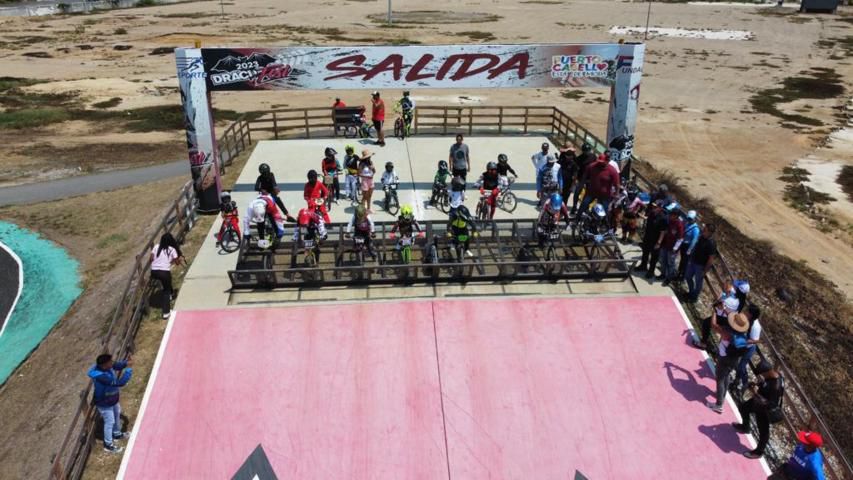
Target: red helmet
<point>304,217</point>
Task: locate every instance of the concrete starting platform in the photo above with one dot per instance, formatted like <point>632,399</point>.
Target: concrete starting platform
<point>207,284</point>
<point>543,388</point>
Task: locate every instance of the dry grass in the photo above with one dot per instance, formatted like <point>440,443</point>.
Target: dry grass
<point>147,343</point>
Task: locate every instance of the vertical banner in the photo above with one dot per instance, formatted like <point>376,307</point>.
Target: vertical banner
<point>198,120</point>
<point>624,102</point>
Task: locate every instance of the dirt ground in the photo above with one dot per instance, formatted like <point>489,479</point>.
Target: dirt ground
<point>696,118</point>
<point>697,121</point>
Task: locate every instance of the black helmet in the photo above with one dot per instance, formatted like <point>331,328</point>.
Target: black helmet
<point>442,165</point>
<point>546,146</point>
<point>586,148</point>
<point>663,188</point>
<point>389,166</point>
<point>330,152</point>
<point>502,158</point>
<point>491,166</point>
<point>457,183</point>
<point>312,175</point>
<point>264,169</point>
<point>405,93</point>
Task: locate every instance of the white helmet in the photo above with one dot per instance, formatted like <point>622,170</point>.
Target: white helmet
<point>259,210</point>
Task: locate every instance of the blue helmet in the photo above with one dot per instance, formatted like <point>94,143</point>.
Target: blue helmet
<point>556,201</point>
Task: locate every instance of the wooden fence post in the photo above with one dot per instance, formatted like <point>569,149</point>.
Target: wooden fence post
<point>248,132</point>
<point>470,120</point>
<point>307,128</point>
<point>444,131</point>
<point>275,125</point>
<point>526,119</point>
<point>500,119</point>
<point>415,121</point>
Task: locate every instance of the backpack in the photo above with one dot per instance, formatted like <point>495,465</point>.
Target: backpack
<point>738,346</point>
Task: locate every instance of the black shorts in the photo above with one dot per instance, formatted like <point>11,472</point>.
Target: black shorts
<point>377,124</point>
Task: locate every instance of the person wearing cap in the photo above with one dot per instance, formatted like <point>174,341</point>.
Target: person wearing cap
<point>806,463</point>
<point>567,163</point>
<point>720,311</point>
<point>542,157</point>
<point>582,161</point>
<point>655,224</point>
<point>752,312</point>
<point>699,261</point>
<point>731,348</point>
<point>741,289</point>
<point>549,180</point>
<point>459,158</point>
<point>601,180</point>
<point>766,395</point>
<point>378,117</point>
<point>669,243</point>
<point>691,236</point>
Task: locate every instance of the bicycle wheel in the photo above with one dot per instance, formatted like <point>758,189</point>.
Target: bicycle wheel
<point>443,202</point>
<point>508,202</point>
<point>351,131</point>
<point>393,205</point>
<point>398,129</point>
<point>230,240</point>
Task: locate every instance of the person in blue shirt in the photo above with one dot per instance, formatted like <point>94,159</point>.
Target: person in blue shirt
<point>108,377</point>
<point>548,180</point>
<point>806,463</point>
<point>691,236</point>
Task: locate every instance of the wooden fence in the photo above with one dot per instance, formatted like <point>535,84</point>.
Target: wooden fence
<point>800,413</point>
<point>70,460</point>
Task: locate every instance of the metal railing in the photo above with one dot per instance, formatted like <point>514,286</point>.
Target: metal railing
<point>497,258</point>
<point>317,123</point>
<point>70,460</point>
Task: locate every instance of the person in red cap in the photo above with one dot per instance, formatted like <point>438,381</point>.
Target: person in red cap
<point>806,463</point>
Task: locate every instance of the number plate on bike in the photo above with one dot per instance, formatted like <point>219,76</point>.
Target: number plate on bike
<point>309,243</point>
<point>359,240</point>
<point>406,241</point>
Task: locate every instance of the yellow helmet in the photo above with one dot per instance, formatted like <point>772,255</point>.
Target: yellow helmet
<point>406,211</point>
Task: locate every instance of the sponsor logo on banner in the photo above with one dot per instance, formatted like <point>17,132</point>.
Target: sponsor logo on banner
<point>574,66</point>
<point>255,69</point>
<point>625,64</point>
<point>191,68</point>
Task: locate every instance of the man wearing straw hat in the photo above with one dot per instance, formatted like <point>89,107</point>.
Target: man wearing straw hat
<point>733,345</point>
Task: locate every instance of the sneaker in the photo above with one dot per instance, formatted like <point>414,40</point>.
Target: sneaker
<point>752,455</point>
<point>469,254</point>
<point>665,283</point>
<point>740,427</point>
<point>640,269</point>
<point>166,315</point>
<point>110,448</point>
<point>650,276</point>
<point>660,277</point>
<point>713,406</point>
<point>700,345</point>
<point>336,201</point>
<point>429,207</point>
<point>121,436</point>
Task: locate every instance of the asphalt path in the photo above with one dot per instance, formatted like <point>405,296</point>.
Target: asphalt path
<point>9,284</point>
<point>81,185</point>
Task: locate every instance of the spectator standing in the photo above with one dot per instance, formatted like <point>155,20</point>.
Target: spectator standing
<point>163,256</point>
<point>753,312</point>
<point>720,311</point>
<point>568,165</point>
<point>549,180</point>
<point>731,349</point>
<point>669,242</point>
<point>691,236</point>
<point>351,162</point>
<point>339,103</point>
<point>741,289</point>
<point>699,261</point>
<point>459,158</point>
<point>366,172</point>
<point>601,180</point>
<point>655,224</point>
<point>661,194</point>
<point>378,116</point>
<point>766,396</point>
<point>806,463</point>
<point>541,157</point>
<point>107,378</point>
<point>584,160</point>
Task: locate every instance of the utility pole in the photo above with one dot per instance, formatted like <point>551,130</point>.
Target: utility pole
<point>222,6</point>
<point>389,11</point>
<point>648,15</point>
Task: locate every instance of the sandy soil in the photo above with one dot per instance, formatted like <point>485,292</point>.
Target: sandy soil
<point>696,120</point>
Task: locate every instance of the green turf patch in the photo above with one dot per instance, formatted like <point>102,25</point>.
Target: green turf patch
<point>822,83</point>
<point>845,179</point>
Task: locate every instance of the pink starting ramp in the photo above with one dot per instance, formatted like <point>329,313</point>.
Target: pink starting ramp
<point>597,388</point>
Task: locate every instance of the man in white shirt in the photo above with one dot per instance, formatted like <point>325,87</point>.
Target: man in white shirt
<point>540,158</point>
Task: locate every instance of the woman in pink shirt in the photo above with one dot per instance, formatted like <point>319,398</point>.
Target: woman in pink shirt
<point>163,256</point>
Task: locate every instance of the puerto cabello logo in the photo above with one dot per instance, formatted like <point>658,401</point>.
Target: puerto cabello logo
<point>191,68</point>
<point>578,66</point>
